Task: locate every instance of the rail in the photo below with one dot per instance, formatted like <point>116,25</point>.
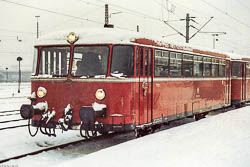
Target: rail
<point>86,141</point>
<point>10,113</point>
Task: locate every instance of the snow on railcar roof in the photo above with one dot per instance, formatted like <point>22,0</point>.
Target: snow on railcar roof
<point>238,57</point>
<point>118,36</point>
<point>90,36</point>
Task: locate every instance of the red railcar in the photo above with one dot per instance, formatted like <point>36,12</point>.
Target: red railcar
<point>111,81</point>
<point>240,81</point>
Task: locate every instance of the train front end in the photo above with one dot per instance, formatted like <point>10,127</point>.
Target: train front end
<point>88,87</point>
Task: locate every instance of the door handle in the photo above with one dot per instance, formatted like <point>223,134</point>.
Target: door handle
<point>144,88</point>
<point>144,85</point>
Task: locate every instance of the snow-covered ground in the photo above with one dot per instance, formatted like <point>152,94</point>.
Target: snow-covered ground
<point>222,140</point>
<point>219,141</point>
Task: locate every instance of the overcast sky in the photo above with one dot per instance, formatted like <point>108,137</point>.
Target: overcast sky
<point>18,21</point>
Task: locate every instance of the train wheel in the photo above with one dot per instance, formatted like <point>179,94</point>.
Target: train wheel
<point>83,133</point>
<point>91,133</point>
<point>100,129</point>
<point>138,133</point>
<point>30,131</point>
<point>102,132</point>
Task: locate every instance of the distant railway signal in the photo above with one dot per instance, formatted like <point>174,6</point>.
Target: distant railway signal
<point>6,74</point>
<point>19,59</point>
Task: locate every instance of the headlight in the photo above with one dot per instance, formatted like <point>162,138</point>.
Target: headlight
<point>100,94</point>
<point>41,92</point>
<point>72,38</point>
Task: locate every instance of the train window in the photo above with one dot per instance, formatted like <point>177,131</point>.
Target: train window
<point>90,61</point>
<point>161,63</point>
<point>187,66</point>
<point>54,61</point>
<point>175,64</point>
<point>222,68</point>
<point>236,69</point>
<point>215,67</point>
<point>146,62</point>
<point>248,69</point>
<point>34,61</point>
<point>137,61</point>
<point>123,60</point>
<point>198,66</point>
<point>150,62</point>
<point>207,66</point>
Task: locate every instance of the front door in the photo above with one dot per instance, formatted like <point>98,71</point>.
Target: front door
<point>145,85</point>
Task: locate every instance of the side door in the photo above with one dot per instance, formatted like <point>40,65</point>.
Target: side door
<point>228,83</point>
<point>244,81</point>
<point>145,85</point>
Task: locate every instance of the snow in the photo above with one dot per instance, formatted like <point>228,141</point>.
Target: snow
<point>222,140</point>
<point>98,107</point>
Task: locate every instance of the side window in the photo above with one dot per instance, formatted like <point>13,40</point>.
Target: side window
<point>198,66</point>
<point>175,64</point>
<point>137,61</point>
<point>122,61</point>
<point>146,62</point>
<point>150,62</point>
<point>161,63</point>
<point>236,69</point>
<point>215,67</point>
<point>187,65</point>
<point>207,66</point>
<point>222,68</point>
<point>248,69</point>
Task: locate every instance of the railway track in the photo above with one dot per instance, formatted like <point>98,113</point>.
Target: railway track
<point>5,120</point>
<point>101,141</point>
<point>86,142</point>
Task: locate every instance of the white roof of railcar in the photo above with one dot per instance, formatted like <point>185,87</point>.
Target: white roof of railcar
<point>90,36</point>
<point>118,36</point>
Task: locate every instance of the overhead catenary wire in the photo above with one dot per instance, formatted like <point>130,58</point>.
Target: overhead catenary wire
<point>227,14</point>
<point>61,14</point>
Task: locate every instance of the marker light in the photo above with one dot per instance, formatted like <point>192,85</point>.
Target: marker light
<point>100,94</point>
<point>72,38</point>
<point>41,92</point>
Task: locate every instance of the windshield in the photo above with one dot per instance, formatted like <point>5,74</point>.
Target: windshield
<point>122,61</point>
<point>90,61</point>
<point>54,61</point>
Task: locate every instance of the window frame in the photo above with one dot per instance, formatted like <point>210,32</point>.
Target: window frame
<point>167,65</point>
<point>134,59</point>
<point>40,54</point>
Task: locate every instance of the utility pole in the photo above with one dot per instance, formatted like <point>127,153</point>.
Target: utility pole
<point>215,37</point>
<point>188,19</point>
<point>37,27</point>
<point>187,28</point>
<point>106,24</point>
